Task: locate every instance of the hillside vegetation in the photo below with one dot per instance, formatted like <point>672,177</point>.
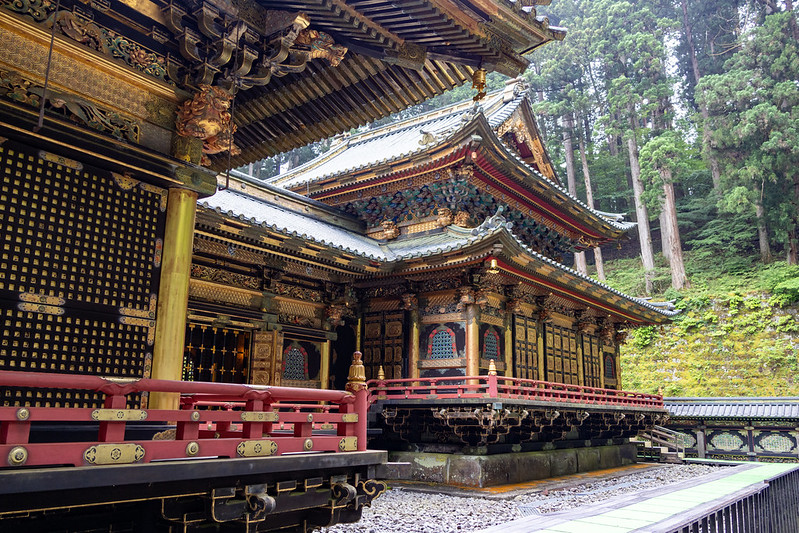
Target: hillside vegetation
<point>737,333</point>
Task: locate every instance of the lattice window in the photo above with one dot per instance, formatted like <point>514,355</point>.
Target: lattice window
<point>491,344</point>
<point>295,363</point>
<point>610,367</point>
<point>216,354</point>
<point>441,344</point>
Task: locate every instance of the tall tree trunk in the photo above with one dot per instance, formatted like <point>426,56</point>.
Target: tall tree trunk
<point>793,236</point>
<point>665,246</point>
<point>679,280</point>
<point>715,172</point>
<point>792,22</point>
<point>571,181</point>
<point>539,91</point>
<point>589,193</point>
<point>762,229</point>
<point>641,212</point>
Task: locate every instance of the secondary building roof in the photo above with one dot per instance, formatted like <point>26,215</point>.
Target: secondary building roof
<point>734,407</point>
<point>280,212</point>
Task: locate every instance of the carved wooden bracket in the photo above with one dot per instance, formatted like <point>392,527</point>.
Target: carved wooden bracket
<point>206,117</point>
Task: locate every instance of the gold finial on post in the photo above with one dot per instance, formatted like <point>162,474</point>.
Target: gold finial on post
<point>381,374</point>
<point>492,368</point>
<point>356,380</point>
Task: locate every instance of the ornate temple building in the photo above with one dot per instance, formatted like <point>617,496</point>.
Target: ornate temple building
<point>434,245</point>
<point>115,119</point>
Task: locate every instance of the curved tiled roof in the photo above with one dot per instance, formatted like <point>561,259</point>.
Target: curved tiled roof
<point>404,139</point>
<point>395,141</point>
<point>294,224</point>
<point>735,407</point>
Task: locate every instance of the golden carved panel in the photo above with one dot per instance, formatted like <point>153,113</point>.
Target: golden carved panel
<point>83,72</point>
<point>212,292</point>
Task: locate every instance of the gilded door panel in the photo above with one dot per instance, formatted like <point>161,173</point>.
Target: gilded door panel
<point>525,347</point>
<point>561,355</point>
<point>384,344</point>
<point>591,362</point>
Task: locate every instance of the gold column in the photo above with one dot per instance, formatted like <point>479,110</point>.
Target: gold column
<point>173,295</point>
<point>578,338</point>
<point>472,341</point>
<point>617,365</point>
<point>324,368</point>
<point>509,349</point>
<point>601,364</point>
<point>413,371</point>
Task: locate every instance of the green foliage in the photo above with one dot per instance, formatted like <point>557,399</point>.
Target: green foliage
<point>643,336</point>
<point>787,292</point>
<point>755,127</point>
<point>731,338</point>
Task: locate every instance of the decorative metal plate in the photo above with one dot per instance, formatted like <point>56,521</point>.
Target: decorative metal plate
<point>348,444</point>
<point>259,416</point>
<point>113,454</point>
<point>118,415</point>
<point>256,448</point>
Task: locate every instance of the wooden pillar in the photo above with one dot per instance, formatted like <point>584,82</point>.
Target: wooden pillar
<point>413,339</point>
<point>472,340</point>
<point>324,366</point>
<point>701,441</point>
<point>173,294</point>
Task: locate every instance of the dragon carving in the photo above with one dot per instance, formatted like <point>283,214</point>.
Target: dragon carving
<point>206,117</point>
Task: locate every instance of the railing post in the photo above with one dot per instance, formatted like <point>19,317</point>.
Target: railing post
<point>356,384</point>
<point>493,390</point>
<point>381,385</point>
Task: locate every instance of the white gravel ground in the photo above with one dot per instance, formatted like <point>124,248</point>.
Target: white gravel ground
<point>405,511</point>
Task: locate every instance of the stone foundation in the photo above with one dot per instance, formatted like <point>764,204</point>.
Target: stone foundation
<point>503,469</point>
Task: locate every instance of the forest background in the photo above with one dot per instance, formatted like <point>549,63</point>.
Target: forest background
<point>685,115</point>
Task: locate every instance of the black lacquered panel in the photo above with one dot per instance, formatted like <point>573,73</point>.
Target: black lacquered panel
<point>79,271</point>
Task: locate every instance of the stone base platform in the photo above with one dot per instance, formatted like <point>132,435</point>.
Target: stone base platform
<point>505,468</point>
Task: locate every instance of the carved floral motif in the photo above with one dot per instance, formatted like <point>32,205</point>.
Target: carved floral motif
<point>14,87</point>
<point>223,276</point>
<point>469,202</point>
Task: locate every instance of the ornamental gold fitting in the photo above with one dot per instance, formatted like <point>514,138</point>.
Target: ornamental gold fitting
<point>192,449</point>
<point>18,456</point>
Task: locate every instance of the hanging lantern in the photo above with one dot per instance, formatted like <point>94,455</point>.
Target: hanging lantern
<point>479,83</point>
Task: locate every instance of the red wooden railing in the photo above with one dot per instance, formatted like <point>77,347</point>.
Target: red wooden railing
<point>499,387</point>
<point>265,421</point>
